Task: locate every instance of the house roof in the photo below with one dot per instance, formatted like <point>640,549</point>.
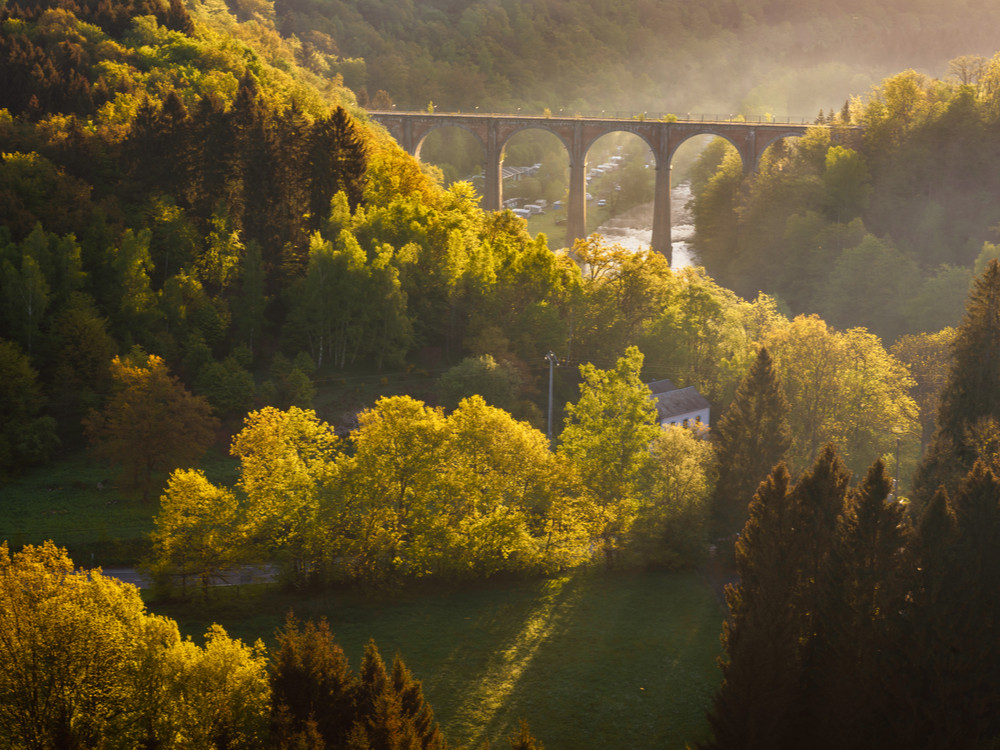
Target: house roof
<point>661,386</point>
<point>679,401</point>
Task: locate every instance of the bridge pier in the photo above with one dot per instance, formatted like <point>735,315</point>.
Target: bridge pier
<point>661,240</point>
<point>493,187</point>
<point>576,203</point>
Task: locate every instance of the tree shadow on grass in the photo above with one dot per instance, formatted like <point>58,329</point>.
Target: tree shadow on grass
<point>592,660</point>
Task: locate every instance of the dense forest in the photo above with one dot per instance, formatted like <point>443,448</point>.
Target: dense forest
<point>750,57</point>
<point>132,228</point>
<point>879,219</point>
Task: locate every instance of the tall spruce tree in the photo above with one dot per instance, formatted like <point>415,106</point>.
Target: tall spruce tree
<point>956,700</point>
<point>761,676</point>
<point>391,718</point>
<point>972,391</point>
<point>750,438</point>
<point>768,637</point>
<point>312,687</point>
<point>338,160</point>
<point>850,669</point>
<point>415,708</point>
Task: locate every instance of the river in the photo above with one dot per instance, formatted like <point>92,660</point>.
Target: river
<point>634,229</point>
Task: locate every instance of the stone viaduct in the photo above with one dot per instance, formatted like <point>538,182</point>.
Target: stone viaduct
<point>578,134</point>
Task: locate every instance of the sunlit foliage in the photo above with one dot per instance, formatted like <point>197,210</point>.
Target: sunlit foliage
<point>88,666</point>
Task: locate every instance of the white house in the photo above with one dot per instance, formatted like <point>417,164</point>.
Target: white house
<point>683,406</point>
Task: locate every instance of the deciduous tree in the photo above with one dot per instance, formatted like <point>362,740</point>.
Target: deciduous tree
<point>843,388</point>
<point>928,357</point>
<point>391,483</point>
<point>672,515</point>
<point>286,462</point>
<point>88,666</point>
<point>198,529</point>
<point>26,435</point>
<point>151,425</point>
<point>606,438</point>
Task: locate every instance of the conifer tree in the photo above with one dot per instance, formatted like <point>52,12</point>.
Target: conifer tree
<point>761,676</point>
<point>524,739</point>
<point>819,497</point>
<point>338,160</point>
<point>920,635</point>
<point>780,557</point>
<point>956,622</point>
<point>213,150</point>
<point>384,720</point>
<point>415,708</point>
<point>850,669</point>
<point>312,687</point>
<point>972,391</point>
<point>751,437</point>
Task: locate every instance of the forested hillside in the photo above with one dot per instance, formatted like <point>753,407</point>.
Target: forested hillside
<point>747,57</point>
<point>879,220</point>
<point>135,150</point>
<point>225,223</point>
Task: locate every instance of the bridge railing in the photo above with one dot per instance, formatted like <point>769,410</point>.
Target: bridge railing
<point>768,119</point>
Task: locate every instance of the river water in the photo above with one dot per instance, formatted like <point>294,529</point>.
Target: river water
<point>634,229</point>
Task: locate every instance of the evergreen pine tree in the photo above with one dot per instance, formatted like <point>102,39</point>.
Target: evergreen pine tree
<point>524,739</point>
<point>972,391</point>
<point>312,687</point>
<point>913,697</point>
<point>768,638</point>
<point>819,499</point>
<point>415,708</point>
<point>291,185</point>
<point>761,676</point>
<point>957,621</point>
<point>381,722</point>
<point>866,584</point>
<point>338,160</point>
<point>750,438</point>
<point>213,149</point>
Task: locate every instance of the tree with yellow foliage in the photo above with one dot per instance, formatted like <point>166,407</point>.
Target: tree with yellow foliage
<point>198,531</point>
<point>286,461</point>
<point>85,665</point>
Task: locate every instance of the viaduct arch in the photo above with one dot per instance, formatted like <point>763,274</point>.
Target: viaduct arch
<point>578,134</point>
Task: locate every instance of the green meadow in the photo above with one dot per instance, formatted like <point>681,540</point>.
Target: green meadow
<point>591,659</point>
<point>75,502</point>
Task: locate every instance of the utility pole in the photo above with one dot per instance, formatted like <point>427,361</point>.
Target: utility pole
<point>895,479</point>
<point>898,431</point>
<point>553,361</point>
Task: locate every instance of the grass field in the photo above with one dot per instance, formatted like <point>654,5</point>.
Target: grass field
<point>590,660</point>
<point>75,503</point>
